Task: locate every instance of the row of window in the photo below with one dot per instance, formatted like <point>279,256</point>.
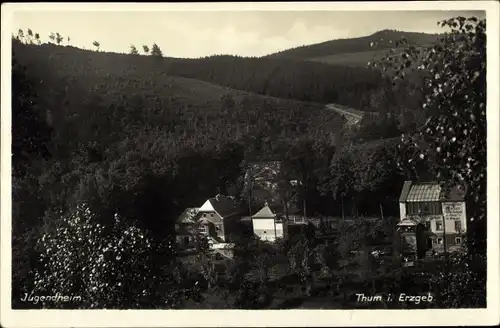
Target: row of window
<point>439,225</point>
<point>439,241</point>
<point>424,208</point>
<point>205,228</point>
<point>205,215</point>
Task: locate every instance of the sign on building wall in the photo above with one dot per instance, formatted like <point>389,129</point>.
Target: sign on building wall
<point>453,211</point>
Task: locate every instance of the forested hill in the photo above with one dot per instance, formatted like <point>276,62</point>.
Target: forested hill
<point>360,88</point>
<point>120,121</point>
<point>355,47</point>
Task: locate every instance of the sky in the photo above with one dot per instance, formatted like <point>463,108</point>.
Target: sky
<point>192,34</point>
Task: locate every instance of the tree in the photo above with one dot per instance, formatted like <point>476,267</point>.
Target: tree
<point>97,45</point>
<point>301,258</point>
<point>30,132</point>
<point>453,139</point>
<point>52,36</point>
<point>146,49</point>
<point>329,259</point>
<point>37,38</point>
<point>109,266</point>
<point>133,50</point>
<point>31,146</point>
<point>59,38</point>
<point>351,238</point>
<point>20,35</point>
<point>454,136</point>
<point>460,283</point>
<point>30,36</point>
<point>156,51</point>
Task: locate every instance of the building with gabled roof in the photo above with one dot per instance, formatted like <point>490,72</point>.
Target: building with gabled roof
<point>219,217</point>
<point>441,213</point>
<point>267,225</point>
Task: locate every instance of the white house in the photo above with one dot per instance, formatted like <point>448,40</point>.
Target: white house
<point>442,215</point>
<point>219,217</point>
<point>266,225</point>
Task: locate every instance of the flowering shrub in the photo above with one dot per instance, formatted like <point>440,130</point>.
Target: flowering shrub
<point>108,266</point>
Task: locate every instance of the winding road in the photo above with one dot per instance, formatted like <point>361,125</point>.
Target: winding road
<point>351,117</point>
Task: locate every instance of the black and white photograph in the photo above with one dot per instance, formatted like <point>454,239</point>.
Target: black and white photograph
<point>253,156</point>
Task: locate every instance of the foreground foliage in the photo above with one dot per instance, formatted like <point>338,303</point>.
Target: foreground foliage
<point>115,266</point>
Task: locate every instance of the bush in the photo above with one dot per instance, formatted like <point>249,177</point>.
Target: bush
<point>115,266</point>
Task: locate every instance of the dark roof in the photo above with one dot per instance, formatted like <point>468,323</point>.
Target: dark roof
<point>429,192</point>
<point>405,191</point>
<point>224,205</point>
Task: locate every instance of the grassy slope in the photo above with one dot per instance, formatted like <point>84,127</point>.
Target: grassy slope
<point>72,80</point>
<point>355,51</point>
<point>361,58</point>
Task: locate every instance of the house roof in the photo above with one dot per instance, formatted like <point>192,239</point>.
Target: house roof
<point>405,191</point>
<point>424,192</point>
<point>406,223</point>
<point>264,213</point>
<point>223,205</point>
<point>429,192</point>
<point>188,216</point>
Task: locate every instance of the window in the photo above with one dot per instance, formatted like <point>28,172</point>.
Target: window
<point>211,215</point>
<point>458,226</point>
<point>204,215</point>
<point>203,229</point>
<point>458,240</point>
<point>423,208</point>
<point>439,225</point>
<point>265,231</point>
<point>428,225</point>
<point>440,241</point>
<point>186,240</point>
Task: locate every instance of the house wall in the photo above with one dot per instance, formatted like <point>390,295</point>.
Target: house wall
<point>452,211</point>
<point>455,211</point>
<point>402,211</point>
<point>265,229</point>
<point>217,228</point>
<point>451,242</point>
